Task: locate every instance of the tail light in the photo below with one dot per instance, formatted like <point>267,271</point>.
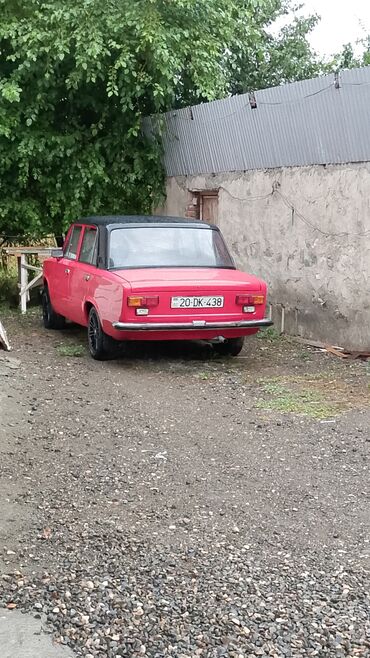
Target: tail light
<point>142,302</point>
<point>250,300</point>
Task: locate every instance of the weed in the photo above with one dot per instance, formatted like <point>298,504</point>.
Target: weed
<point>204,376</point>
<point>270,333</point>
<point>302,401</point>
<point>70,350</point>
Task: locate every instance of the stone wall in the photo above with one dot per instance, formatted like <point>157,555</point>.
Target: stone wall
<point>302,229</point>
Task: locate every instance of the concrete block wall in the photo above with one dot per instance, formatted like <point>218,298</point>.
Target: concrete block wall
<point>306,231</point>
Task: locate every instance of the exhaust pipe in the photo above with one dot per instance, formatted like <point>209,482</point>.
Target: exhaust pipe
<point>217,340</point>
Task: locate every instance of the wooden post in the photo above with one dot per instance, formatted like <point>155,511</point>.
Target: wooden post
<point>19,269</point>
<point>24,282</point>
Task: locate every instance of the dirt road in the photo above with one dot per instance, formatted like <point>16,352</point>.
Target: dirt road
<point>174,503</point>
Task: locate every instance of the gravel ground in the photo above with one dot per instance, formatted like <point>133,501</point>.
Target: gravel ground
<point>177,504</point>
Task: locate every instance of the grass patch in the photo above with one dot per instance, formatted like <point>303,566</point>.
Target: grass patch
<point>317,395</point>
<point>302,401</point>
<point>7,311</point>
<point>270,334</point>
<point>71,350</point>
<point>13,314</point>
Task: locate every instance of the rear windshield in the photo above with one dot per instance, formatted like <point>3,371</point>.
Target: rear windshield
<point>152,246</point>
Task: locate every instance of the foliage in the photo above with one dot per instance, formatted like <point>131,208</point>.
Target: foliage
<point>347,59</point>
<point>9,293</point>
<point>76,79</point>
<point>71,350</point>
<point>268,59</point>
<point>271,334</point>
<point>284,397</point>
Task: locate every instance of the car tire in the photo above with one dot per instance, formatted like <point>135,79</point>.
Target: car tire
<point>101,346</point>
<point>51,319</point>
<point>231,347</point>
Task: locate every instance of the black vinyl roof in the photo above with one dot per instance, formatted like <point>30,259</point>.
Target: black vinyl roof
<point>140,219</point>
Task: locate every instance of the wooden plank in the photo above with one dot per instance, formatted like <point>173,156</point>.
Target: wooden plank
<point>333,350</point>
<point>36,281</point>
<point>21,253</point>
<point>358,355</point>
<point>19,268</point>
<point>24,282</point>
<point>310,343</point>
<point>37,251</point>
<point>4,343</point>
<point>354,355</point>
<point>32,267</point>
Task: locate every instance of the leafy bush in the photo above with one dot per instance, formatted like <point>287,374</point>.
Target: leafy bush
<point>76,78</point>
<point>8,287</point>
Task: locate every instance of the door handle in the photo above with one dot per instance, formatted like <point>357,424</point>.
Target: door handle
<point>87,277</point>
<point>67,270</point>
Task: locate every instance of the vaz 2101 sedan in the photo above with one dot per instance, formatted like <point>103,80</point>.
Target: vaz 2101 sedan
<point>151,278</point>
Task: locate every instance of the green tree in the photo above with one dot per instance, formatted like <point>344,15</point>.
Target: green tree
<point>366,51</point>
<point>75,80</point>
<point>347,59</point>
<point>269,58</point>
<point>77,77</point>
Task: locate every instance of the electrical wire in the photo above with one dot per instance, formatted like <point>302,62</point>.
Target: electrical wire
<point>354,84</point>
<point>306,221</point>
<point>210,119</point>
<point>249,198</point>
<point>295,100</point>
<point>297,213</point>
<point>174,114</point>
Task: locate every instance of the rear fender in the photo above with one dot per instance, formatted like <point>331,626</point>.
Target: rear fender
<point>105,322</point>
<point>88,305</point>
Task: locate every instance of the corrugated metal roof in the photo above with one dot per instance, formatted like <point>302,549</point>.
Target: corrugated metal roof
<point>302,123</point>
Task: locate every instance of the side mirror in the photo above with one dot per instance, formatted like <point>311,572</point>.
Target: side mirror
<point>56,253</point>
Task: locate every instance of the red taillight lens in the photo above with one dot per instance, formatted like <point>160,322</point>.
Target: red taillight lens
<point>243,300</point>
<point>151,301</point>
<point>138,301</point>
<point>250,300</point>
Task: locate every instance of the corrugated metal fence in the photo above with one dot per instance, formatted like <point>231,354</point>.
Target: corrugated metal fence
<point>302,123</point>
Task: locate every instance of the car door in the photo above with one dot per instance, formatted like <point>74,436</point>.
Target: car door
<point>82,274</point>
<point>59,282</point>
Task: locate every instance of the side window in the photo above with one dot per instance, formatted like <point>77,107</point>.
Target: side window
<point>89,246</point>
<point>72,246</point>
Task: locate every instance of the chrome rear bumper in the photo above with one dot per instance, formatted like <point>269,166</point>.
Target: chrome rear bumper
<point>196,325</point>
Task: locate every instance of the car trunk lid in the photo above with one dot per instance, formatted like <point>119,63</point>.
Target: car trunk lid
<point>220,286</point>
<point>181,280</point>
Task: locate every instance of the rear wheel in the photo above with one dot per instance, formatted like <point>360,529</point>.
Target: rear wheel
<point>231,347</point>
<point>51,319</point>
<point>101,346</point>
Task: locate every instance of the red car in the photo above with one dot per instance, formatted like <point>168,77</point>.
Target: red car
<point>151,278</point>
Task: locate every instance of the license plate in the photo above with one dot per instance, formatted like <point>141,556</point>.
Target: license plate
<point>197,302</point>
